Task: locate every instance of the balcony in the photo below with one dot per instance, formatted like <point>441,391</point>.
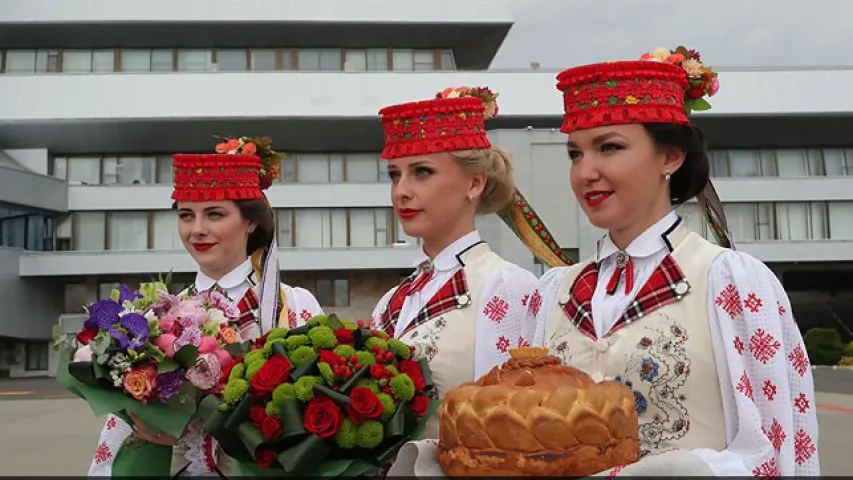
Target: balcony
<point>326,111</point>
<point>22,187</point>
<point>38,264</point>
<point>832,251</point>
<point>474,31</point>
<point>157,197</point>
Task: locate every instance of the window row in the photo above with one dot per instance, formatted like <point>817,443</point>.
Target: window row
<point>299,228</point>
<point>788,221</point>
<point>782,162</point>
<point>22,228</point>
<point>132,60</point>
<point>329,290</point>
<point>305,168</point>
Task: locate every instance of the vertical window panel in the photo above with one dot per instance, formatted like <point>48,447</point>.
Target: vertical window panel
<point>165,235</point>
<point>362,227</point>
<point>89,231</point>
<point>284,224</point>
<point>128,231</point>
<point>362,168</point>
<point>340,235</point>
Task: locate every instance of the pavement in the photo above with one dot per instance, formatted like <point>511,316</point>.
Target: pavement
<point>46,418</point>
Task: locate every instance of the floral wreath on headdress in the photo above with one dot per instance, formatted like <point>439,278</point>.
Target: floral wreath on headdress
<point>490,99</point>
<point>703,80</point>
<point>261,147</point>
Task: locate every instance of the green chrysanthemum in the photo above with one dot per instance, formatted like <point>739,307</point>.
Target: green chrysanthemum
<point>388,407</point>
<point>253,367</point>
<point>399,349</point>
<point>322,337</point>
<point>234,391</point>
<point>402,387</point>
<point>370,342</point>
<point>283,392</point>
<point>237,371</point>
<point>303,389</point>
<point>274,408</point>
<point>253,355</point>
<point>301,355</point>
<point>370,434</point>
<point>268,346</point>
<point>327,373</point>
<point>276,333</point>
<point>392,369</point>
<point>345,351</point>
<point>367,383</point>
<point>365,358</point>
<point>347,436</point>
<point>295,341</point>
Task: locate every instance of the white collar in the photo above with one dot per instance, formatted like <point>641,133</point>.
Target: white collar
<point>448,259</point>
<point>231,280</point>
<point>648,243</point>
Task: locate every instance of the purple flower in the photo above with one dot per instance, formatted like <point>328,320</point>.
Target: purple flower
<point>103,314</point>
<point>127,295</point>
<point>190,336</point>
<point>121,339</point>
<point>136,325</point>
<point>168,384</point>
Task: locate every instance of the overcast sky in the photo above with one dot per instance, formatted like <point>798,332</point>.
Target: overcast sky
<point>563,33</point>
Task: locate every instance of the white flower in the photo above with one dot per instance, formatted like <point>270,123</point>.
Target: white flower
<point>216,316</point>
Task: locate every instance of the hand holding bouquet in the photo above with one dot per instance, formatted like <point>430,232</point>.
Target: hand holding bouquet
<point>328,398</point>
<point>152,354</point>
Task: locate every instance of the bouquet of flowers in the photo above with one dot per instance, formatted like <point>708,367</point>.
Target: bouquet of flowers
<point>153,354</point>
<point>329,398</point>
<point>703,81</point>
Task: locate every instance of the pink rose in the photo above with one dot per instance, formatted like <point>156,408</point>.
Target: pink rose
<point>206,372</point>
<point>167,323</point>
<point>207,345</point>
<point>192,309</point>
<point>225,359</point>
<point>166,342</point>
<point>714,88</point>
<point>140,382</point>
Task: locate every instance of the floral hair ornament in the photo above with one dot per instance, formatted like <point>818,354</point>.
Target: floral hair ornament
<point>453,120</point>
<point>241,169</point>
<point>663,86</point>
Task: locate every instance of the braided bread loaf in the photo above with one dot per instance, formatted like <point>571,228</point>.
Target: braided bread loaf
<point>534,417</point>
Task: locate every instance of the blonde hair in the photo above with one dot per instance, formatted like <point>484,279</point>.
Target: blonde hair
<point>496,163</point>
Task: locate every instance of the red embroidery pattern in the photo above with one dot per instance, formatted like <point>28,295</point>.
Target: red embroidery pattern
<point>804,448</point>
<point>502,345</point>
<point>102,453</point>
<point>729,301</point>
<point>522,342</point>
<point>763,346</point>
<point>615,470</point>
<point>306,315</point>
<point>744,386</point>
<point>536,303</point>
<point>776,434</point>
<point>769,390</point>
<point>802,403</point>
<point>291,319</point>
<point>738,345</point>
<point>753,303</point>
<point>799,360</point>
<point>496,309</point>
<point>781,308</point>
<point>524,300</point>
<point>111,423</point>
<point>767,469</point>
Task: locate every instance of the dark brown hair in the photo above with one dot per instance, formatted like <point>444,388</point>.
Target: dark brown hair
<point>689,180</point>
<point>259,213</point>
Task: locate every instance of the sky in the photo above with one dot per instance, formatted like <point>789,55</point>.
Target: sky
<point>728,33</point>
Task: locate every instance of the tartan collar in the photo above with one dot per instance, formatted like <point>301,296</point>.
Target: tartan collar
<point>450,257</point>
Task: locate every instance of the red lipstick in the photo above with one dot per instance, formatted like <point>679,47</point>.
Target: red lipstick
<point>408,213</point>
<point>202,247</point>
<point>595,198</point>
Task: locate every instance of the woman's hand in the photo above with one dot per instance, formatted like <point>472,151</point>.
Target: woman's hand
<point>160,438</point>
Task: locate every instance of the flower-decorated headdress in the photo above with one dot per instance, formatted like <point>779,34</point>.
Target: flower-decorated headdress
<point>241,169</point>
<point>663,86</point>
<point>453,120</point>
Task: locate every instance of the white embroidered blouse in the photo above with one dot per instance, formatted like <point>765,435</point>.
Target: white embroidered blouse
<point>202,456</point>
<point>765,437</point>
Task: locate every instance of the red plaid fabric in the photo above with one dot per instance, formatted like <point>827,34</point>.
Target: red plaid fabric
<point>447,298</point>
<point>248,306</point>
<point>657,293</point>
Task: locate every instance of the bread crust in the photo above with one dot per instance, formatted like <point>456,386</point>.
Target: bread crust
<point>533,416</point>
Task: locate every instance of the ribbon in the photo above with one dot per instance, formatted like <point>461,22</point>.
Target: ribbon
<point>712,207</point>
<point>531,230</point>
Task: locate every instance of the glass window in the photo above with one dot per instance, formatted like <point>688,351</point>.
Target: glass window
<point>333,293</point>
<point>138,60</point>
<point>47,61</point>
<point>85,170</point>
<point>744,163</point>
<point>37,355</point>
<point>128,231</point>
<point>377,59</point>
<point>742,220</point>
<point>20,61</point>
<point>362,227</point>
<point>13,231</point>
<point>37,233</point>
<point>313,168</point>
<point>841,220</point>
<point>330,59</point>
<point>404,60</point>
<point>424,60</point>
<point>196,60</point>
<point>285,227</point>
<point>136,170</point>
<point>77,61</point>
<point>165,172</point>
<point>162,60</point>
<point>719,163</point>
<point>361,168</point>
<point>59,167</point>
<point>447,61</point>
<point>263,59</point>
<point>103,61</point>
<point>231,60</point>
<point>165,234</point>
<point>313,228</point>
<point>355,61</point>
<point>340,235</point>
<point>838,162</point>
<point>89,231</point>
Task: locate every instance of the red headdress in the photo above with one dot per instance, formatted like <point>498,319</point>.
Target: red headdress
<point>240,169</point>
<point>663,86</point>
<point>453,120</point>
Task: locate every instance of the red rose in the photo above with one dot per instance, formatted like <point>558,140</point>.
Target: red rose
<point>271,427</point>
<point>264,456</point>
<point>377,371</point>
<point>87,335</point>
<point>344,336</point>
<point>323,418</point>
<point>257,414</point>
<point>413,370</point>
<point>696,92</point>
<point>330,357</point>
<point>364,404</point>
<point>274,372</point>
<point>419,405</point>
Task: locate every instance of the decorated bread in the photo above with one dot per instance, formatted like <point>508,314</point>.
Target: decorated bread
<point>533,416</point>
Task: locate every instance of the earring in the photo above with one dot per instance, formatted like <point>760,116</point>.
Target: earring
<point>667,176</point>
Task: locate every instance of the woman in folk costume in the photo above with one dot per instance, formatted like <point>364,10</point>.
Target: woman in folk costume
<point>461,307</point>
<point>702,334</point>
<point>228,227</point>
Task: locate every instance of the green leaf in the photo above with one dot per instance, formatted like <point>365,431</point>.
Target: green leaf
<point>102,343</point>
<point>187,356</point>
<point>184,400</point>
<point>700,104</point>
<point>167,365</point>
<point>333,322</point>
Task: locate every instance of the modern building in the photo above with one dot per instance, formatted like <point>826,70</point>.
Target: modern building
<point>96,97</point>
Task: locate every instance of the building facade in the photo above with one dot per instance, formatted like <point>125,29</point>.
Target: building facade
<point>95,98</point>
